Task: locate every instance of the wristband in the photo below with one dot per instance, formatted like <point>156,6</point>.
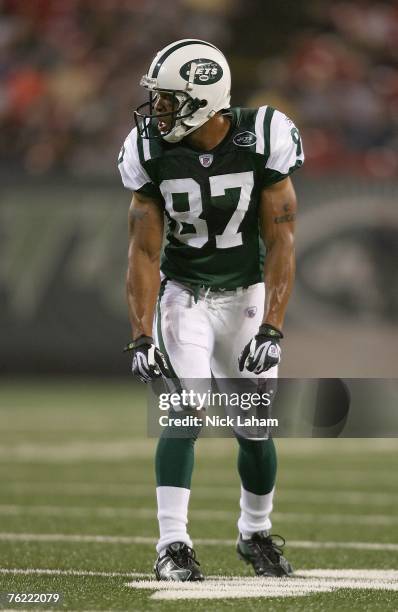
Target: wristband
<point>269,331</point>
<point>140,341</point>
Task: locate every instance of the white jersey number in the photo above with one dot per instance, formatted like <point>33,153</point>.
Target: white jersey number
<point>191,189</point>
<point>230,237</point>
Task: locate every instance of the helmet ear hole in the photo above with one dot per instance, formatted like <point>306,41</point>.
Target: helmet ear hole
<point>203,103</point>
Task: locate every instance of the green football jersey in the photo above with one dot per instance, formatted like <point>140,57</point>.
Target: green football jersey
<point>211,198</point>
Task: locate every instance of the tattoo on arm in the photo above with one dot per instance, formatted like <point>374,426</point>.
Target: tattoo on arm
<point>138,214</point>
<point>288,217</point>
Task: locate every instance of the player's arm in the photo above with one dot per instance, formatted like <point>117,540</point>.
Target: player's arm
<point>145,224</point>
<point>276,221</point>
<point>278,206</point>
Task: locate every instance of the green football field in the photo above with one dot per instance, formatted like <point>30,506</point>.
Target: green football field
<point>78,516</point>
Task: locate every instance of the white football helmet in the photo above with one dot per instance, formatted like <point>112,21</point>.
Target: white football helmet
<point>198,77</point>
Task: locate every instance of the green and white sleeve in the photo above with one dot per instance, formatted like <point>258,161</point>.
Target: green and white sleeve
<point>278,139</point>
<point>134,175</point>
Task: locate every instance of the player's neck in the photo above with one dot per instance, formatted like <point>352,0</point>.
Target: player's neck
<point>210,134</point>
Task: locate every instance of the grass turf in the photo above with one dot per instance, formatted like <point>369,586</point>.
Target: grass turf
<point>75,459</point>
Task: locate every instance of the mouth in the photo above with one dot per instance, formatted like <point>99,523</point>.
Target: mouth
<point>162,126</point>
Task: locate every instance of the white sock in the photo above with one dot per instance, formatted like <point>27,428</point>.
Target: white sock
<point>254,512</point>
<point>172,516</point>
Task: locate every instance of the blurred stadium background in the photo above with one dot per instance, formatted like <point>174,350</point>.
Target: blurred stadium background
<point>70,449</point>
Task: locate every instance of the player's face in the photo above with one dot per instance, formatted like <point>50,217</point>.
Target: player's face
<point>165,103</point>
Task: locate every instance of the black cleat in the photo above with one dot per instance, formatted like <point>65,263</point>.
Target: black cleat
<point>264,554</point>
<point>179,564</point>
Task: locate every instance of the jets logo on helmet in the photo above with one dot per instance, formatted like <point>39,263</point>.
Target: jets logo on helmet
<point>205,71</point>
<point>197,76</point>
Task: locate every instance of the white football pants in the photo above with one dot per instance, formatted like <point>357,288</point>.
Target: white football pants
<point>206,338</point>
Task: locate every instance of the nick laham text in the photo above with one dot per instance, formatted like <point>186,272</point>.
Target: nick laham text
<point>216,421</point>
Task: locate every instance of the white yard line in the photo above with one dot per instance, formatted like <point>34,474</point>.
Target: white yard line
<point>70,572</point>
<point>72,450</point>
<point>112,512</point>
<point>351,497</point>
<point>105,539</point>
<point>335,574</point>
<point>347,545</point>
<point>50,422</point>
<point>357,574</point>
<point>304,582</point>
<point>285,493</point>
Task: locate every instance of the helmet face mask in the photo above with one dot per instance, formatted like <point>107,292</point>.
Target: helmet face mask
<point>196,75</point>
<point>182,104</point>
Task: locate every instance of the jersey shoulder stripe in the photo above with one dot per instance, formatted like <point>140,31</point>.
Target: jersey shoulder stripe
<point>131,160</point>
<point>143,147</point>
<point>263,128</point>
<point>150,148</point>
<point>278,141</point>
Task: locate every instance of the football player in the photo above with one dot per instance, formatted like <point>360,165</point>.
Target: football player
<point>206,304</point>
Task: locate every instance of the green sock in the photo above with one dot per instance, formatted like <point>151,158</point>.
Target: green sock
<point>257,465</point>
<point>174,459</point>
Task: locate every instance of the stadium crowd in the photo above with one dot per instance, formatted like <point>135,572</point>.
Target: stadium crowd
<point>69,74</point>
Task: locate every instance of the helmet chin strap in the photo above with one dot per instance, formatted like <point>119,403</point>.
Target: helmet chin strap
<point>181,129</point>
<point>176,134</point>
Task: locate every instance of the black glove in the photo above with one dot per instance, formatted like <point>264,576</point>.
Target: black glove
<point>148,362</point>
<point>263,351</point>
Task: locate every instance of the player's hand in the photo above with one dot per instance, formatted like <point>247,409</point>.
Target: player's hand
<point>148,362</point>
<point>263,351</point>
